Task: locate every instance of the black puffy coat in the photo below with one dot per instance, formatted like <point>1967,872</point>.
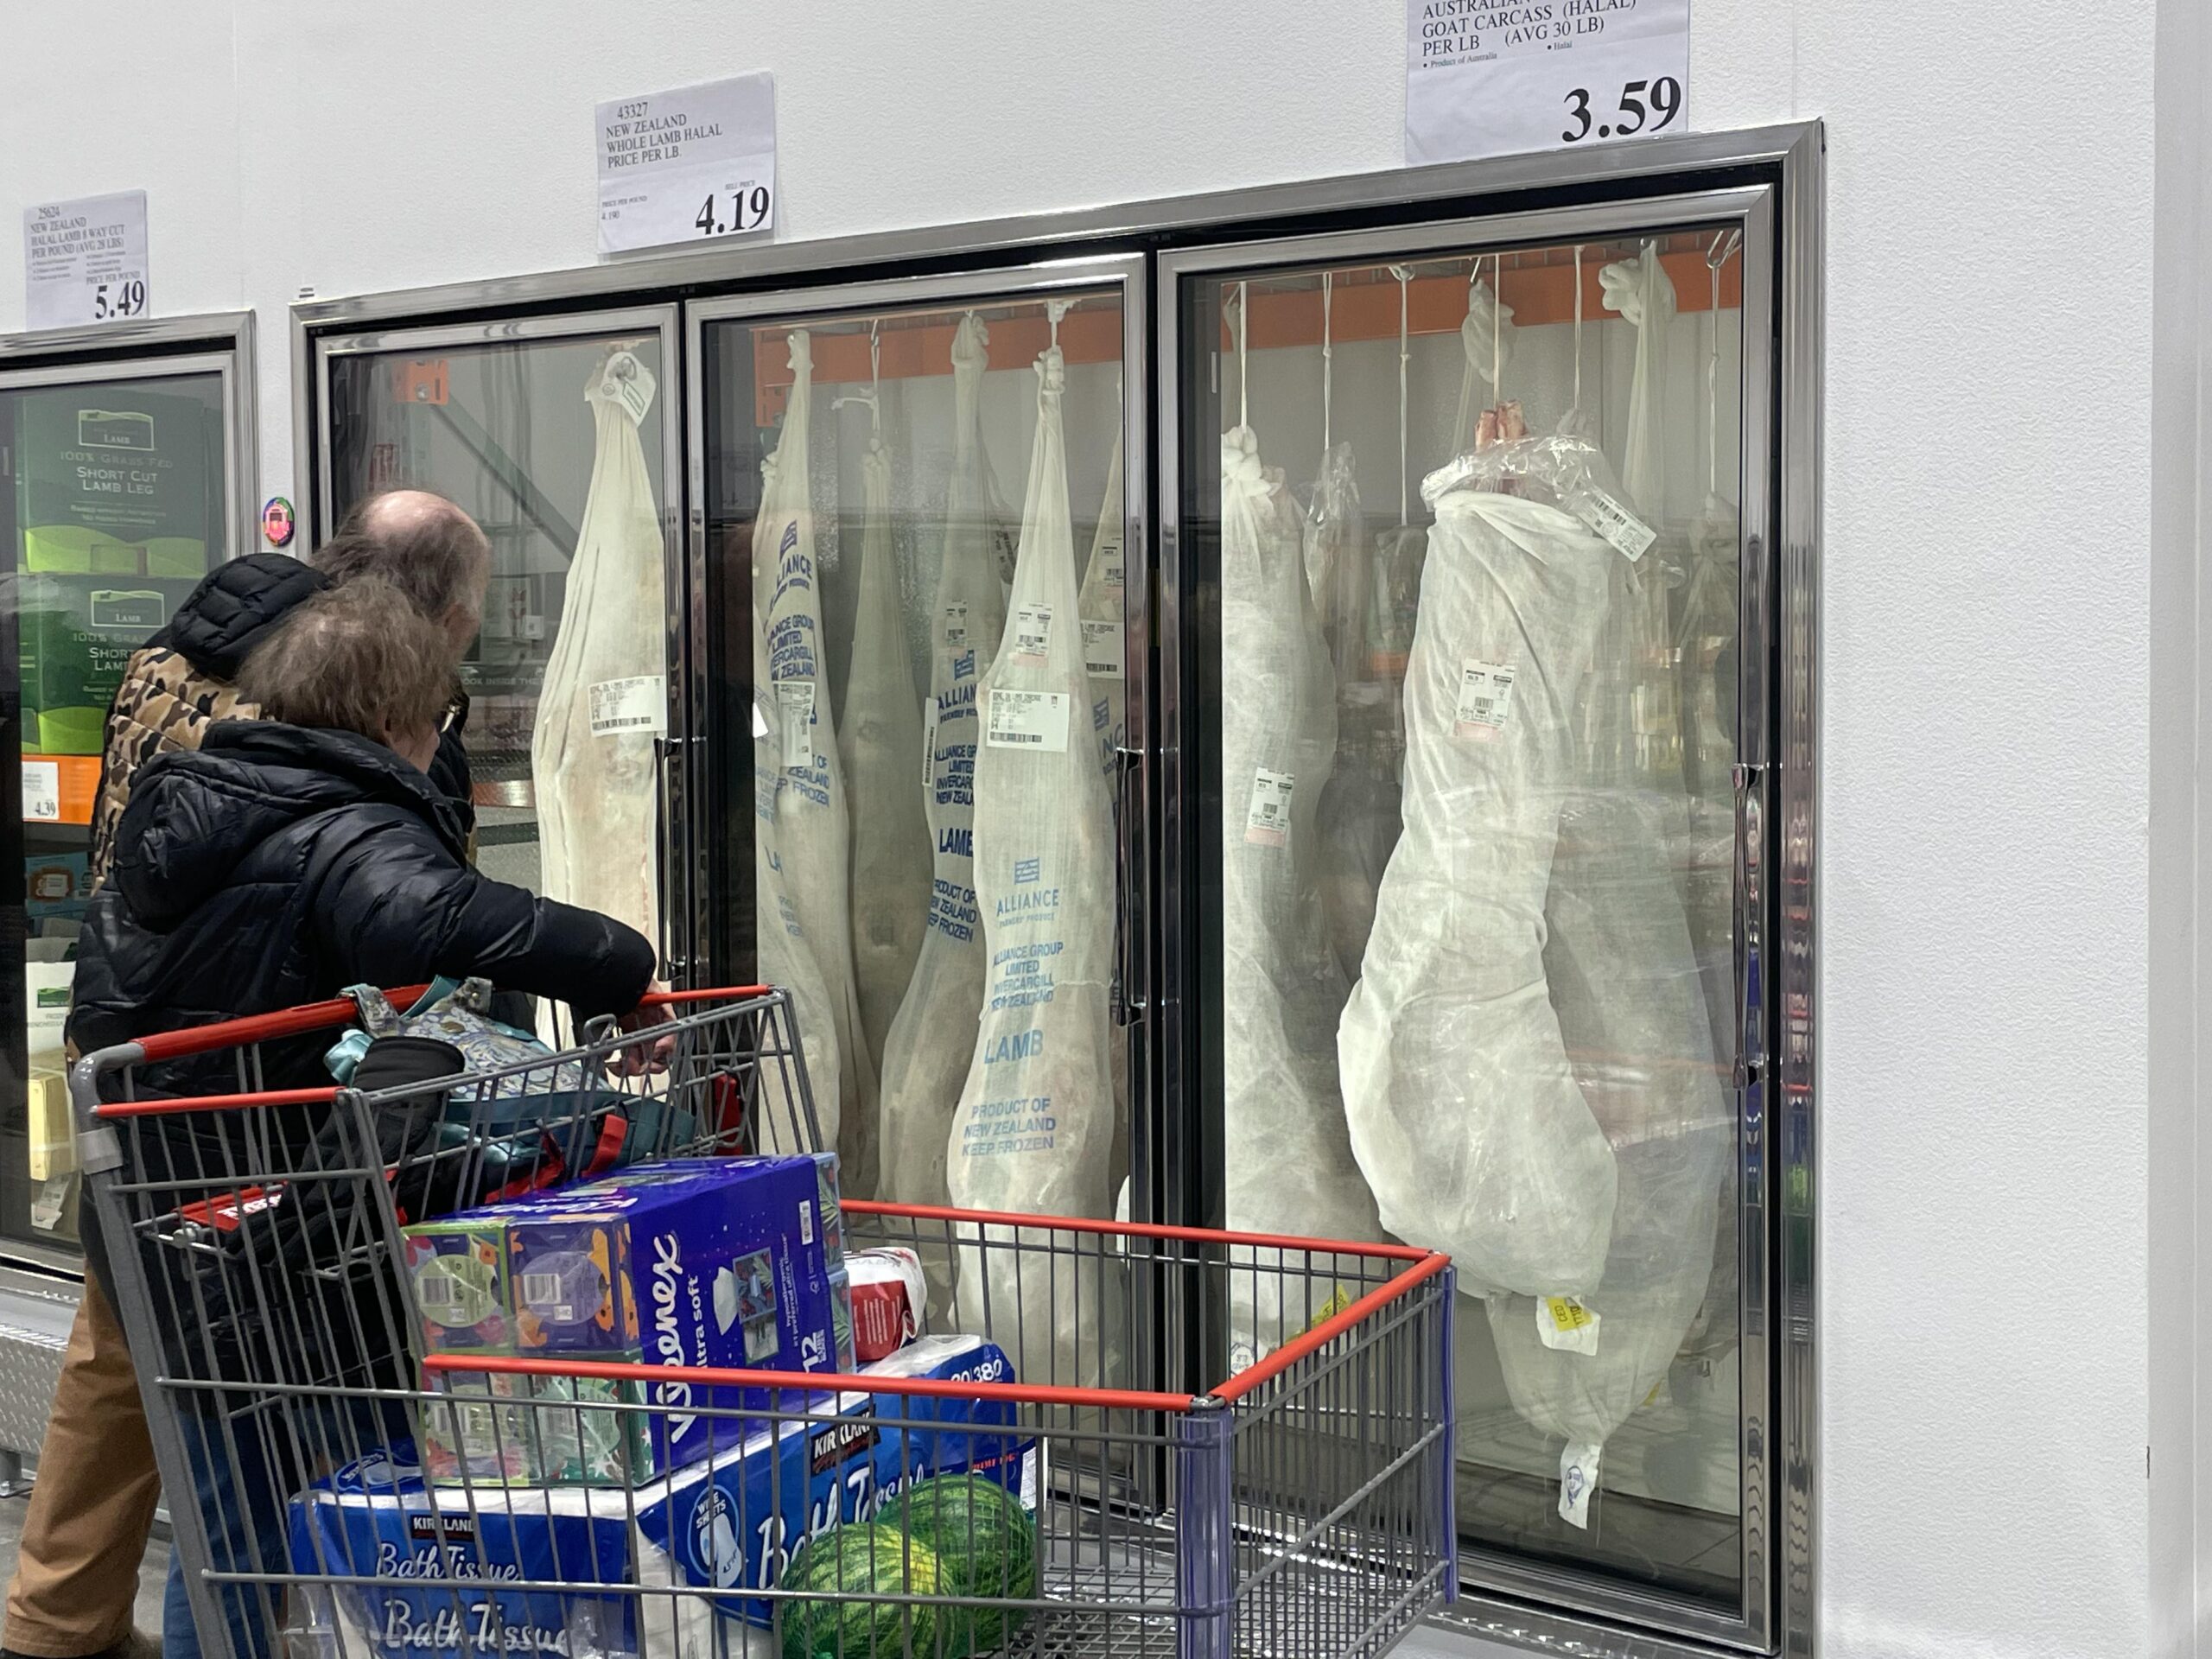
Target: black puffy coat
<point>277,865</point>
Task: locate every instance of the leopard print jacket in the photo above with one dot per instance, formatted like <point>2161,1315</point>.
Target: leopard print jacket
<point>163,704</point>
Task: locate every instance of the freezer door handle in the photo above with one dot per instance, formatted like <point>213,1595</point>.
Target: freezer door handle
<point>1750,911</point>
<point>1129,991</point>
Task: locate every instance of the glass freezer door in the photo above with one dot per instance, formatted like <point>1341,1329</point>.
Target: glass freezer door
<point>116,497</point>
<point>1456,545</point>
<point>556,435</point>
<point>915,501</point>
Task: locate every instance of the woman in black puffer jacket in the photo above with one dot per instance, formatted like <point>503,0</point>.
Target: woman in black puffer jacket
<point>285,860</point>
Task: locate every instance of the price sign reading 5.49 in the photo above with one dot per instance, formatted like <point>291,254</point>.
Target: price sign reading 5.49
<point>1498,77</point>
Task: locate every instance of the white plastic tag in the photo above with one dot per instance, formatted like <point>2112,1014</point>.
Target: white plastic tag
<point>1563,1323</point>
<point>1028,720</point>
<point>1102,649</point>
<point>794,707</point>
<point>630,383</point>
<point>1266,819</point>
<point>1629,533</point>
<point>45,1208</point>
<point>1032,633</point>
<point>1578,1480</point>
<point>1112,554</point>
<point>637,704</point>
<point>1486,699</point>
<point>956,625</point>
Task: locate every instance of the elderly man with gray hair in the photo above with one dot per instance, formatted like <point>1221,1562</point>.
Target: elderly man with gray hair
<point>85,1532</point>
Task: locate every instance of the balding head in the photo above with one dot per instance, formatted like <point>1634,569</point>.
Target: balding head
<point>423,545</point>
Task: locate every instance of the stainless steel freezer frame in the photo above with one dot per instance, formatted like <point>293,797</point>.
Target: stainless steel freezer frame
<point>1769,181</point>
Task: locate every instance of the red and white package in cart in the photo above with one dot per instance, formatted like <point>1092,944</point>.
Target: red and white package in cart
<point>888,1296</point>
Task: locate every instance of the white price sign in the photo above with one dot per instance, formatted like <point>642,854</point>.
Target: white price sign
<point>688,165</point>
<point>1500,77</point>
<point>84,261</point>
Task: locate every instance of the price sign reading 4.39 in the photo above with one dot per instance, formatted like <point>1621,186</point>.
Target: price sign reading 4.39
<point>695,162</point>
<point>1498,77</point>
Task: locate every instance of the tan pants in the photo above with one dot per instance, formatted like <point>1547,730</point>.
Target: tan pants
<point>92,1504</point>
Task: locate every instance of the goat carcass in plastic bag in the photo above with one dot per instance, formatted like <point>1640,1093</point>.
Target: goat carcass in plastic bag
<point>812,838</point>
<point>927,1056</point>
<point>1035,1131</point>
<point>879,739</point>
<point>1356,819</point>
<point>1464,1114</point>
<point>605,699</point>
<point>1288,1156</point>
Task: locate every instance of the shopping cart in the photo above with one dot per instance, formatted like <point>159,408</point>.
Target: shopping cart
<point>1301,1507</point>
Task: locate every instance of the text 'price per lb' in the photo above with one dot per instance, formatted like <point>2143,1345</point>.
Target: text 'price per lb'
<point>119,299</point>
<point>735,212</point>
<point>1641,105</point>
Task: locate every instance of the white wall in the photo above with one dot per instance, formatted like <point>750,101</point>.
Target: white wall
<point>1984,1255</point>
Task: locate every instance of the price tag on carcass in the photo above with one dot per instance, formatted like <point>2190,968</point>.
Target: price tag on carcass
<point>1027,720</point>
<point>84,261</point>
<point>1033,633</point>
<point>795,714</point>
<point>638,703</point>
<point>1266,819</point>
<point>1503,77</point>
<point>1563,1323</point>
<point>1101,648</point>
<point>1486,699</point>
<point>688,165</point>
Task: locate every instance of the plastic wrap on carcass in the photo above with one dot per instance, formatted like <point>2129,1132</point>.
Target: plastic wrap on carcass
<point>927,1056</point>
<point>1356,817</point>
<point>812,838</point>
<point>879,742</point>
<point>1288,1159</point>
<point>1464,1110</point>
<point>1035,1130</point>
<point>604,703</point>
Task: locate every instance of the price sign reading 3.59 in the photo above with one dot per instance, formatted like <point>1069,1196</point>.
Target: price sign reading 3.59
<point>1500,77</point>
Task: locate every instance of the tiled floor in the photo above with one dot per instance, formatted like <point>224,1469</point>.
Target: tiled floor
<point>149,1578</point>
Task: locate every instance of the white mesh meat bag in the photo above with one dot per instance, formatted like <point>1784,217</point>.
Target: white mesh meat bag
<point>1099,605</point>
<point>1643,293</point>
<point>1035,1130</point>
<point>785,958</point>
<point>1289,1154</point>
<point>605,698</point>
<point>811,836</point>
<point>1356,817</point>
<point>879,743</point>
<point>1465,1113</point>
<point>1625,985</point>
<point>927,1056</point>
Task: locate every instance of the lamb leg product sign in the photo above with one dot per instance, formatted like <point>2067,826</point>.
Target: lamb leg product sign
<point>688,165</point>
<point>84,261</point>
<point>1500,77</point>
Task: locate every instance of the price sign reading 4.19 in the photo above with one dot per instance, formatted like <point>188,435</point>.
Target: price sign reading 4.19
<point>1498,77</point>
<point>695,162</point>
<point>84,261</point>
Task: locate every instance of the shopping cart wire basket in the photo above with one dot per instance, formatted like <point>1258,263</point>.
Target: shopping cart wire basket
<point>1010,1483</point>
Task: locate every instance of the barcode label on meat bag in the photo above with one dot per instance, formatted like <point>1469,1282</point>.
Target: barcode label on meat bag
<point>1629,533</point>
<point>1028,720</point>
<point>795,708</point>
<point>1486,699</point>
<point>1102,649</point>
<point>1267,820</point>
<point>956,625</point>
<point>637,704</point>
<point>1033,633</point>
